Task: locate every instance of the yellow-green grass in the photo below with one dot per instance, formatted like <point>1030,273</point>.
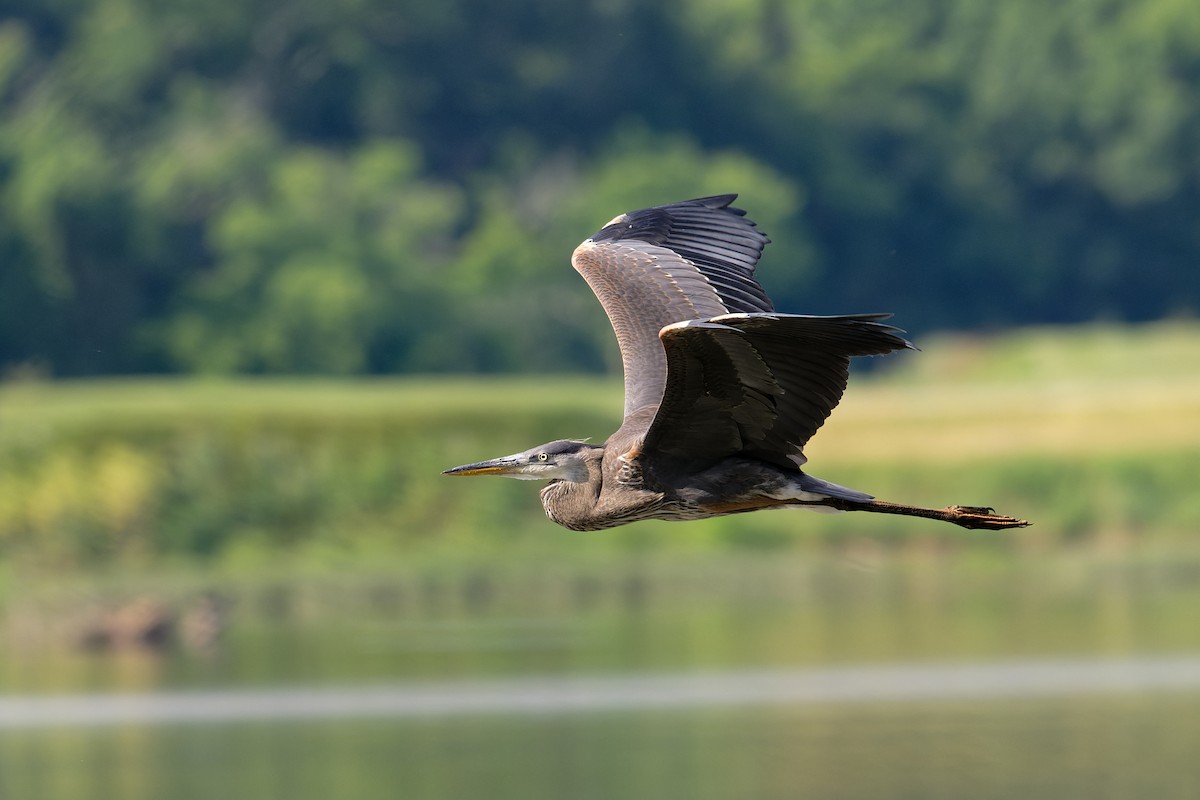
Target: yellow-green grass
<point>137,402</point>
<point>1091,433</point>
<point>954,422</point>
<point>1072,392</point>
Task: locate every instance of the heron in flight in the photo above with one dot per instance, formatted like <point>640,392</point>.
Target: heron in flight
<point>721,391</point>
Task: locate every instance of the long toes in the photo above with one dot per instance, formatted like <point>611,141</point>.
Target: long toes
<point>983,518</point>
<point>979,510</point>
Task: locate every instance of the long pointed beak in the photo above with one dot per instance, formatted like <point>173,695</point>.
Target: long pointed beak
<point>506,465</point>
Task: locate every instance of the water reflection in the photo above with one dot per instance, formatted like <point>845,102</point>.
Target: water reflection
<point>575,695</point>
<point>1042,679</point>
<point>718,614</point>
<point>1085,747</point>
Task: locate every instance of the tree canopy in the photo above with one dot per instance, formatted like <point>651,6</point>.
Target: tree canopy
<point>382,186</point>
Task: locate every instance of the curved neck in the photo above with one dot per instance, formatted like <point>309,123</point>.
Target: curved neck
<point>572,503</point>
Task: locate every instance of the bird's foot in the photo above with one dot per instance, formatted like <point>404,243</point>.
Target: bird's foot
<point>981,518</point>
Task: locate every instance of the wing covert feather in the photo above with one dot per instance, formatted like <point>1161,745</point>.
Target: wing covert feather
<point>659,266</point>
<point>644,288</point>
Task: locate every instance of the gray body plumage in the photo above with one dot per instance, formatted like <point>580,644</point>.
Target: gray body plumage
<point>721,392</point>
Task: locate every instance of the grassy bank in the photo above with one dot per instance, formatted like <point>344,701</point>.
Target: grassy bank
<point>1094,434</point>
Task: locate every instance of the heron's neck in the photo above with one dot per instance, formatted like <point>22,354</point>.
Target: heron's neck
<point>572,503</point>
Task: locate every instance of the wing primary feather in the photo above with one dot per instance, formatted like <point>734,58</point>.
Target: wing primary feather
<point>757,385</point>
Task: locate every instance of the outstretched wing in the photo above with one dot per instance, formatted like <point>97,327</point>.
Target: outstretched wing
<point>667,264</point>
<point>757,385</point>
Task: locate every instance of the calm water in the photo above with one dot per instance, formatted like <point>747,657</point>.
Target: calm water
<point>737,680</point>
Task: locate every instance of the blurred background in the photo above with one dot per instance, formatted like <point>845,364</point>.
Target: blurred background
<point>266,269</point>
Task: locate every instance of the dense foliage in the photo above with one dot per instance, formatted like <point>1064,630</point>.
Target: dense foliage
<point>389,186</point>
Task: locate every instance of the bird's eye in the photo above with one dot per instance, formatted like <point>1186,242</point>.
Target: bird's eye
<point>543,457</point>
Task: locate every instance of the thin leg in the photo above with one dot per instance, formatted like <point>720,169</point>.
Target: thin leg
<point>974,517</point>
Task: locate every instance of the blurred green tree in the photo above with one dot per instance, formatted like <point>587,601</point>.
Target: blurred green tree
<point>962,164</point>
<point>332,266</point>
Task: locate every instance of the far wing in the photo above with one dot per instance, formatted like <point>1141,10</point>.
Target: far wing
<point>757,385</point>
<point>658,266</point>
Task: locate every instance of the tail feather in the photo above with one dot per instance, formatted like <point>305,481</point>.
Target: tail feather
<point>815,485</point>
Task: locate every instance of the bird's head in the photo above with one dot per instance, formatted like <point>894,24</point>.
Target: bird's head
<point>563,460</point>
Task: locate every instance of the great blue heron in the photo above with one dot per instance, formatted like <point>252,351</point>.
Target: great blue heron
<point>721,392</point>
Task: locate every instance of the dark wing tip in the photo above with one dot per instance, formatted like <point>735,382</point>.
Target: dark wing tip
<point>654,224</point>
<point>715,202</point>
<point>711,234</point>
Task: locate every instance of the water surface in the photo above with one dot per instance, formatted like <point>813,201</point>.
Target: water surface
<point>759,679</point>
